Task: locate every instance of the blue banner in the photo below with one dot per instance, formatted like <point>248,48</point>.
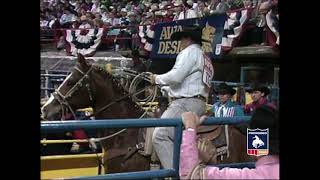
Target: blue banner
<point>212,33</point>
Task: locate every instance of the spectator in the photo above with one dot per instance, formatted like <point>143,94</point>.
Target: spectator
<point>96,6</point>
<point>82,12</point>
<point>66,19</point>
<point>124,21</point>
<point>188,12</point>
<point>113,20</point>
<point>168,15</point>
<point>218,7</point>
<point>234,4</point>
<point>98,16</point>
<point>84,23</point>
<point>247,4</point>
<point>85,5</point>
<point>138,14</point>
<point>158,17</point>
<point>259,95</point>
<point>44,23</point>
<point>98,23</point>
<point>226,107</point>
<point>177,9</point>
<point>89,16</point>
<point>105,16</point>
<point>266,167</point>
<point>148,18</point>
<point>133,30</point>
<point>202,9</point>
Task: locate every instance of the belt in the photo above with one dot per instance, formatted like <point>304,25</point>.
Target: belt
<point>197,96</point>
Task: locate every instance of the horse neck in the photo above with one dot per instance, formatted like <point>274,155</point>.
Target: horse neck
<point>126,108</point>
<point>110,91</point>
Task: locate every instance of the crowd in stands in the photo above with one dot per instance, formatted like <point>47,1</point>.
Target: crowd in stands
<point>56,14</point>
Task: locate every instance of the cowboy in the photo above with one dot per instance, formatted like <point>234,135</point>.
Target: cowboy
<point>226,107</point>
<point>266,167</point>
<point>259,95</point>
<point>187,86</point>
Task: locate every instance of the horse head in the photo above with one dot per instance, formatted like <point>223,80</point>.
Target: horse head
<point>79,90</point>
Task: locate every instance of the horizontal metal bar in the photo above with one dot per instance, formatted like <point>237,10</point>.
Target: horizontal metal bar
<point>133,175</point>
<point>252,68</point>
<point>93,58</point>
<point>249,165</point>
<point>51,89</point>
<point>53,75</point>
<point>102,124</point>
<point>76,156</point>
<point>132,123</point>
<point>55,71</point>
<point>63,141</point>
<point>229,83</point>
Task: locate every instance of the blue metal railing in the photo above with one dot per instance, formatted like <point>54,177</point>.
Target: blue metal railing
<point>55,126</point>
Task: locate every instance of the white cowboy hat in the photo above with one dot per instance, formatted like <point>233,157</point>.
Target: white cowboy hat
<point>123,10</point>
<point>146,3</point>
<point>190,2</point>
<point>154,7</point>
<point>177,3</point>
<point>158,13</point>
<point>164,13</point>
<point>163,4</point>
<point>131,13</point>
<point>103,6</point>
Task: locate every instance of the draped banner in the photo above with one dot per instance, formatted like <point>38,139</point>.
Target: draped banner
<point>83,41</point>
<point>212,32</point>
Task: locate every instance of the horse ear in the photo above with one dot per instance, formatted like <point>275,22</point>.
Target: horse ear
<point>82,60</point>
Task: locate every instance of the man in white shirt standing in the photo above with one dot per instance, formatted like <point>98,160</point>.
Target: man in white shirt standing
<point>188,12</point>
<point>187,83</point>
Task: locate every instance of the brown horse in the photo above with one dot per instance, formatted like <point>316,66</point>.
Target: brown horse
<point>91,85</point>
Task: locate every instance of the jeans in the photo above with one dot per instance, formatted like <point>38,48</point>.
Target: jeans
<point>163,137</point>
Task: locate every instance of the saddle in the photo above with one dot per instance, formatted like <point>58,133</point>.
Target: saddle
<point>211,143</point>
<point>209,132</point>
<point>214,133</point>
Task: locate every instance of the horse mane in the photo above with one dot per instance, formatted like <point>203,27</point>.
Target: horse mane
<point>118,87</point>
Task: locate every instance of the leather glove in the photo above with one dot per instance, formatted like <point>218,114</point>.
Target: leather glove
<point>152,78</point>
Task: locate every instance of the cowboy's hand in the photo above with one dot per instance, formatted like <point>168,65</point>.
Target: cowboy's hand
<point>152,78</point>
<point>191,120</point>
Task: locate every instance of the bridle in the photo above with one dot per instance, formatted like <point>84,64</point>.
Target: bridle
<point>63,99</point>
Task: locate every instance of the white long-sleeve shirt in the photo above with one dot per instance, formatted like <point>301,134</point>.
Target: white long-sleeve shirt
<point>190,13</point>
<point>185,78</point>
